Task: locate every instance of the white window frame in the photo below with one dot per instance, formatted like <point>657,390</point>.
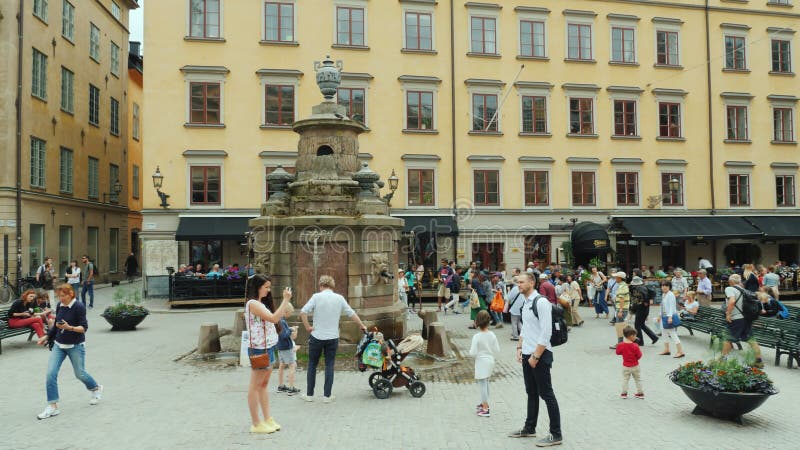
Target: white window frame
<point>136,122</point>
<point>67,91</point>
<point>263,21</point>
<point>113,117</point>
<point>350,4</point>
<point>684,180</point>
<point>202,77</point>
<point>68,21</point>
<point>586,167</point>
<point>527,166</point>
<point>427,165</point>
<point>93,182</point>
<point>283,80</point>
<point>545,92</point>
<point>629,168</point>
<point>42,7</point>
<point>40,83</point>
<point>484,12</point>
<point>490,90</point>
<point>574,19</point>
<point>748,111</point>
<point>666,98</point>
<point>421,9</point>
<point>780,171</point>
<point>116,11</point>
<point>621,22</point>
<point>115,52</point>
<point>669,28</point>
<point>486,165</point>
<point>136,179</point>
<point>94,45</point>
<point>359,83</point>
<point>626,96</point>
<point>38,148</point>
<point>203,38</point>
<point>581,93</point>
<point>736,32</point>
<point>432,87</point>
<point>69,187</point>
<point>783,104</point>
<point>742,171</point>
<point>205,161</point>
<point>530,16</point>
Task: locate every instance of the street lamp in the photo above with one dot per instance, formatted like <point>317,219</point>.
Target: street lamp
<point>394,181</point>
<point>113,196</point>
<point>158,181</point>
<point>673,187</point>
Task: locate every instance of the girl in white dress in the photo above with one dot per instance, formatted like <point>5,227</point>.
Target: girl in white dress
<point>484,348</point>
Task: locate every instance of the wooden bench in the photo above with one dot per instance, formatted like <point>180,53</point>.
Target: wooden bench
<point>8,332</point>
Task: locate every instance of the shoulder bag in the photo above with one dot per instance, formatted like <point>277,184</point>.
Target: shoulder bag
<point>256,361</point>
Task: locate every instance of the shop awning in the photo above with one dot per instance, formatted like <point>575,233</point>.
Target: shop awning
<point>777,227</point>
<point>684,228</point>
<point>589,238</point>
<point>430,224</point>
<point>221,228</point>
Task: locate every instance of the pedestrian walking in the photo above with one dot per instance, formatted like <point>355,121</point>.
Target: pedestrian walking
<point>598,280</point>
<point>622,302</point>
<point>444,273</point>
<point>131,267</point>
<point>88,281</point>
<point>402,287</point>
<point>573,288</point>
<point>669,310</point>
<point>261,316</point>
<point>535,353</point>
<point>48,279</point>
<point>455,288</point>
<point>41,269</point>
<point>327,307</point>
<point>67,339</point>
<point>631,354</point>
<point>73,275</point>
<point>739,328</point>
<point>484,349</point>
<point>514,301</point>
<point>642,298</point>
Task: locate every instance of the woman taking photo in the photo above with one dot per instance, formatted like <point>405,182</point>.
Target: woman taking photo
<point>597,279</point>
<point>22,314</point>
<point>67,336</point>
<point>261,316</point>
<point>669,307</point>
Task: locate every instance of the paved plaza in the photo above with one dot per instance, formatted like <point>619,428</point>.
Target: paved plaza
<point>151,401</point>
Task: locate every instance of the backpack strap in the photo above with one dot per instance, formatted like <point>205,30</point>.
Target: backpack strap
<point>511,305</point>
<point>741,296</point>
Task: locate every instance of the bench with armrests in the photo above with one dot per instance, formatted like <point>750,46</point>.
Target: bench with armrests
<point>7,332</point>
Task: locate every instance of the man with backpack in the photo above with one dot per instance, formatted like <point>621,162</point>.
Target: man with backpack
<point>740,312</point>
<point>88,281</point>
<point>42,269</point>
<point>445,275</point>
<point>535,352</point>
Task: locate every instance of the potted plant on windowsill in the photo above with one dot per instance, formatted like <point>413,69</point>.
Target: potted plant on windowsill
<point>127,311</point>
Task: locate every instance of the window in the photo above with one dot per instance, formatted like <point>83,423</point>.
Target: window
<point>483,35</point>
<point>114,116</point>
<point>94,105</point>
<point>136,122</point>
<point>135,181</point>
<point>487,187</point>
<point>419,110</point>
<point>737,123</point>
<point>671,198</point>
<point>205,185</point>
<point>94,42</point>
<point>113,250</point>
<point>735,53</point>
<point>39,79</point>
<point>92,243</point>
<point>40,9</point>
<point>783,125</point>
<point>534,114</point>
<point>583,189</point>
<point>36,246</point>
<point>205,103</point>
<point>627,188</point>
<point>269,170</point>
<point>279,104</point>
<point>204,21</point>
<point>623,46</point>
<point>278,22</point>
<point>64,248</point>
<point>781,56</point>
<point>531,38</point>
<point>667,48</point>
<point>579,41</point>
<point>114,59</point>
<point>739,189</point>
<point>38,158</point>
<point>67,90</point>
<point>784,188</point>
<point>68,20</point>
<point>421,187</point>
<point>536,188</point>
<point>115,11</point>
<point>624,118</point>
<point>207,253</point>
<point>779,2</point>
<point>669,120</point>
<point>350,26</point>
<point>581,120</point>
<point>65,184</point>
<point>353,100</point>
<point>113,178</point>
<point>419,31</point>
<point>484,109</point>
<point>94,178</point>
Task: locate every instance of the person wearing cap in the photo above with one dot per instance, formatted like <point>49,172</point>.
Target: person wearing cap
<point>402,287</point>
<point>622,303</point>
<point>547,289</point>
<point>642,298</point>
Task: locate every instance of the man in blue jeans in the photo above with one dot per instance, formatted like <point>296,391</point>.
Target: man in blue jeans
<point>88,282</point>
<point>327,307</point>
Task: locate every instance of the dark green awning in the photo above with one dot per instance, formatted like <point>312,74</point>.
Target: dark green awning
<point>686,227</point>
<point>430,224</point>
<point>221,228</point>
<point>777,227</point>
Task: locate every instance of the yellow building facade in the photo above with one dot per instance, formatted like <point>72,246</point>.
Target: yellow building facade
<point>135,98</point>
<point>506,122</point>
<point>58,180</point>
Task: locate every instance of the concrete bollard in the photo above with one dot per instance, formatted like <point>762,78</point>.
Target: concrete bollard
<point>428,317</point>
<point>437,340</point>
<point>208,341</point>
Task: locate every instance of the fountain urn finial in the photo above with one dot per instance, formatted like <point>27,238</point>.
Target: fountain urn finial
<point>329,76</point>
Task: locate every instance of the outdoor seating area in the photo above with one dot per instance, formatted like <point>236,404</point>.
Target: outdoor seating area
<point>187,290</point>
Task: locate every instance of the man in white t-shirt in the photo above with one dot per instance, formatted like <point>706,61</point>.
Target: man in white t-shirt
<point>327,308</point>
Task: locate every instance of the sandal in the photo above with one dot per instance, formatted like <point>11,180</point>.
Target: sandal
<point>680,356</point>
<point>664,353</point>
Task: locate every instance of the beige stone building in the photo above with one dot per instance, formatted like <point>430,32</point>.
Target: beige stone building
<point>64,184</point>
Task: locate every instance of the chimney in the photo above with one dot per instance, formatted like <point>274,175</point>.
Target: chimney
<point>135,48</point>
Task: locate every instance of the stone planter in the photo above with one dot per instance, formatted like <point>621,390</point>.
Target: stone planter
<point>124,323</point>
<point>723,405</point>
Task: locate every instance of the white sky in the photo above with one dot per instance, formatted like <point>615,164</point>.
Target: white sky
<point>137,23</point>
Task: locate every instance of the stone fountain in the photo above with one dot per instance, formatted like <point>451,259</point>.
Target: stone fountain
<point>329,219</point>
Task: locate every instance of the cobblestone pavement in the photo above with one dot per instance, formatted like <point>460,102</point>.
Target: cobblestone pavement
<point>151,401</point>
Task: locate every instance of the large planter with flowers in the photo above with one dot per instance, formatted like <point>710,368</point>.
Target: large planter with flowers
<point>127,312</point>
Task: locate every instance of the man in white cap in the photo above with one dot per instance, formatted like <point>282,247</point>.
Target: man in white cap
<point>402,287</point>
<point>622,303</point>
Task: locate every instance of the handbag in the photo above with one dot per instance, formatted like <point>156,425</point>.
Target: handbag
<point>498,303</point>
<point>474,300</point>
<point>676,321</point>
<point>256,361</point>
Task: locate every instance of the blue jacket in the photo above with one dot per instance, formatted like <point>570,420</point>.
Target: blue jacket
<point>285,336</point>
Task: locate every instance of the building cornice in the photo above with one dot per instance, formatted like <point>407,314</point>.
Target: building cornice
<point>739,164</point>
<point>205,154</point>
<point>531,9</point>
<point>784,165</point>
<point>356,76</point>
<point>486,158</point>
<point>578,12</point>
<point>580,87</point>
<point>279,73</point>
<point>419,79</point>
<point>484,82</point>
<point>479,5</point>
<point>420,157</point>
<point>533,85</point>
<point>536,159</point>
<point>205,69</point>
<point>627,17</point>
<point>580,160</point>
<point>673,92</point>
<point>781,98</point>
<point>671,162</point>
<point>625,89</point>
<point>627,161</point>
<point>737,95</point>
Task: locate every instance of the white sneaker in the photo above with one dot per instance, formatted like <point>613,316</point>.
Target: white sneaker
<point>307,398</point>
<point>50,411</point>
<point>328,399</point>
<point>97,394</point>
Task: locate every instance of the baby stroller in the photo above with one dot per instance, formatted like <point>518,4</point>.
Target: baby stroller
<point>374,353</point>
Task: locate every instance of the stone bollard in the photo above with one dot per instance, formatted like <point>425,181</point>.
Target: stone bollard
<point>437,340</point>
<point>238,323</point>
<point>208,341</point>
<point>428,317</point>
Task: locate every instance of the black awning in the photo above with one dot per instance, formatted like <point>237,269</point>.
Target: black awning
<point>589,237</point>
<point>430,224</point>
<point>777,227</point>
<point>222,228</point>
<point>685,228</point>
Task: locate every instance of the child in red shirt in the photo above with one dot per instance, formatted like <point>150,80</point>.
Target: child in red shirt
<point>631,354</point>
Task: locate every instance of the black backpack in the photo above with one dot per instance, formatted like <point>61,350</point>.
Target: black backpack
<point>751,307</point>
<point>559,335</point>
<point>95,271</point>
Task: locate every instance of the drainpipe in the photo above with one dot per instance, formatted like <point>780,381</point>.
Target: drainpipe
<point>453,117</point>
<point>19,139</point>
<point>710,115</point>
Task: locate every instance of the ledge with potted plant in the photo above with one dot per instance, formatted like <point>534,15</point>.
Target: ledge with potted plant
<point>127,311</point>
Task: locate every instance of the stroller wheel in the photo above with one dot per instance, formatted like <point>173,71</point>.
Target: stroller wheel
<point>374,376</point>
<point>417,389</point>
<point>382,388</point>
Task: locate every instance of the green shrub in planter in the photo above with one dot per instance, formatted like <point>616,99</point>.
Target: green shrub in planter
<point>127,310</point>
